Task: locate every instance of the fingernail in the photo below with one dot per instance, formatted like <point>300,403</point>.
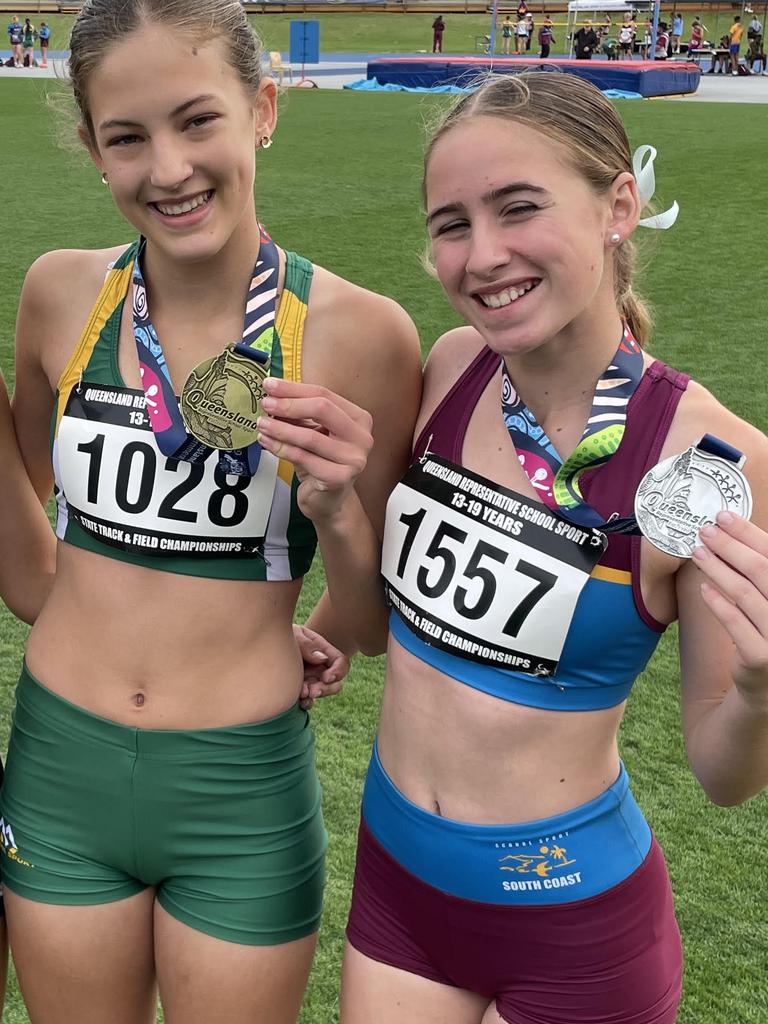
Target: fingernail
<point>270,383</point>
<point>270,404</point>
<point>263,422</point>
<point>709,532</point>
<point>700,552</point>
<point>725,518</point>
<point>318,654</point>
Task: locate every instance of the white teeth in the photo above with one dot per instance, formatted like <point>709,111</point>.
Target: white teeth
<point>504,298</point>
<point>180,208</point>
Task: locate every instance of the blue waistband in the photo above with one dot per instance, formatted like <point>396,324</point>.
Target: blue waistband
<point>568,857</point>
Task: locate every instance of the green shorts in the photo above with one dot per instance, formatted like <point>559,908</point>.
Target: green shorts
<point>226,823</point>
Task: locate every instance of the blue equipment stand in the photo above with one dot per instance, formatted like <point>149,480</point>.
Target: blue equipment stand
<point>305,47</point>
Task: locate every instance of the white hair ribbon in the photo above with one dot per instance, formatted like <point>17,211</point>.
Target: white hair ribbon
<point>646,186</point>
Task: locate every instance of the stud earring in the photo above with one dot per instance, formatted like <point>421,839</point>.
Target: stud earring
<point>105,179</point>
<point>615,238</point>
<point>265,142</point>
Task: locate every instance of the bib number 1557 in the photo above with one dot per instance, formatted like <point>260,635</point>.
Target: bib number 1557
<point>483,566</point>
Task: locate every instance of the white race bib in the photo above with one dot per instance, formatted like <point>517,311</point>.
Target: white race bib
<point>124,492</point>
<point>481,571</point>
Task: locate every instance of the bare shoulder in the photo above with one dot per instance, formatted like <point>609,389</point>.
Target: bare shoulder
<point>352,333</point>
<point>65,273</point>
<point>448,359</point>
<point>59,291</point>
<point>701,413</point>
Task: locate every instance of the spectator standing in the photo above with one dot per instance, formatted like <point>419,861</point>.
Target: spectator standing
<point>438,27</point>
<point>16,38</point>
<point>626,38</point>
<point>735,32</point>
<point>662,42</point>
<point>677,31</point>
<point>585,41</point>
<point>521,34</point>
<point>546,38</point>
<point>28,44</point>
<point>507,31</point>
<point>754,28</point>
<point>522,9</point>
<point>529,24</point>
<point>44,34</point>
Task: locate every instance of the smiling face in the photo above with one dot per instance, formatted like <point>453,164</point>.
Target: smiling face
<point>519,238</point>
<point>178,143</point>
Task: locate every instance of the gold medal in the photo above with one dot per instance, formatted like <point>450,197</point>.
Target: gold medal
<point>221,400</point>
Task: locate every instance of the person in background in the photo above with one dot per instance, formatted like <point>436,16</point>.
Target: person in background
<point>697,35</point>
<point>677,31</point>
<point>530,26</point>
<point>16,39</point>
<point>735,33</point>
<point>28,43</point>
<point>626,38</point>
<point>756,55</point>
<point>522,9</point>
<point>521,33</point>
<point>546,37</point>
<point>438,27</point>
<point>721,59</point>
<point>44,35</point>
<point>610,47</point>
<point>662,42</point>
<point>754,28</point>
<point>507,31</point>
<point>585,41</point>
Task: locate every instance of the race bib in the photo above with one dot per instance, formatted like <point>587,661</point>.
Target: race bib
<point>122,491</point>
<point>481,571</point>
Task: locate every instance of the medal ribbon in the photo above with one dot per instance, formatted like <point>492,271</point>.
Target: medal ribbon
<point>557,482</point>
<point>172,437</point>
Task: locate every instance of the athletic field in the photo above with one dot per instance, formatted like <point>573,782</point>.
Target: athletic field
<point>341,185</point>
<point>377,32</point>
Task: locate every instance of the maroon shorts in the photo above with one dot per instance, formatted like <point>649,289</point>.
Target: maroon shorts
<point>615,958</point>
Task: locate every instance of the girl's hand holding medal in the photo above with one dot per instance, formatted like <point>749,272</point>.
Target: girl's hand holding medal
<point>327,439</point>
<point>733,555</point>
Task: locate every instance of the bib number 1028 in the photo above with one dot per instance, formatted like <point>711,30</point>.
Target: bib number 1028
<point>480,566</point>
<point>138,458</point>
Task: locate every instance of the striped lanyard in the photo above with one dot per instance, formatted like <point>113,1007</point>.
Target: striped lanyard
<point>557,482</point>
<point>172,437</point>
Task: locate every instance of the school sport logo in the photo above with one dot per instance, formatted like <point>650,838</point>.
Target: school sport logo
<point>8,845</point>
<point>543,869</point>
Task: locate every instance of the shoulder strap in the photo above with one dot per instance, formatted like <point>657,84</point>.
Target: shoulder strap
<point>292,313</point>
<point>445,429</point>
<point>113,292</point>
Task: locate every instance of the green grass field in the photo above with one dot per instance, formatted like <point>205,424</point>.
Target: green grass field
<point>378,32</point>
<point>341,185</point>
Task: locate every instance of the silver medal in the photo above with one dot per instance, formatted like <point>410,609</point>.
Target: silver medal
<point>684,493</point>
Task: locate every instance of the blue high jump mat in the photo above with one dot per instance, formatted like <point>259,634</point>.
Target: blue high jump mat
<point>646,77</point>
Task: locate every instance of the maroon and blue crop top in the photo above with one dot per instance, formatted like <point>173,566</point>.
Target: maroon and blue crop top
<point>612,634</point>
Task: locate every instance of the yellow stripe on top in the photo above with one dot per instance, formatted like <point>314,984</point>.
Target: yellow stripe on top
<point>112,293</point>
<point>291,314</point>
<point>602,572</point>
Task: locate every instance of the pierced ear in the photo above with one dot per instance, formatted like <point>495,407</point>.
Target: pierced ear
<point>265,109</point>
<point>625,205</point>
